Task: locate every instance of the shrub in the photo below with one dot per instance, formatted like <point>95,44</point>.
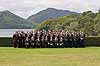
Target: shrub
<point>92,41</point>
<point>5,42</point>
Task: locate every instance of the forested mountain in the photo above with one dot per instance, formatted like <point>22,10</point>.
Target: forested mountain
<point>9,20</point>
<point>48,13</point>
<point>88,22</point>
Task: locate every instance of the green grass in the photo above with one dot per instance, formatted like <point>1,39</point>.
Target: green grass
<point>50,57</point>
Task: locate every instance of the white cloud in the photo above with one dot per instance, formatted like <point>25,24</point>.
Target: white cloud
<point>26,8</point>
<point>2,8</point>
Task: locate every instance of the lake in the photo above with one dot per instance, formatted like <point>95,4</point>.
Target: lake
<point>10,32</point>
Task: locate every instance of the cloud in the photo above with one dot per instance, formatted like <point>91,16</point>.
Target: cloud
<point>25,8</point>
<point>2,8</point>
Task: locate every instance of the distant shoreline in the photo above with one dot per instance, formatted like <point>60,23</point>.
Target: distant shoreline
<point>10,32</point>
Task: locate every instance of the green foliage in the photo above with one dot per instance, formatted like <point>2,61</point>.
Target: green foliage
<point>92,41</point>
<point>5,42</point>
<point>88,22</point>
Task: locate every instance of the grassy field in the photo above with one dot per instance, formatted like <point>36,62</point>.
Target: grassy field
<point>50,57</point>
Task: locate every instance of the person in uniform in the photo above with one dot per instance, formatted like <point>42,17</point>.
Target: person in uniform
<point>27,41</point>
<point>43,41</point>
<point>66,40</point>
<point>60,40</point>
<point>78,39</point>
<point>70,38</point>
<point>48,39</point>
<point>33,41</point>
<point>23,37</point>
<point>15,40</point>
<point>75,39</point>
<point>56,40</point>
<point>82,38</point>
<point>51,40</point>
<point>19,39</point>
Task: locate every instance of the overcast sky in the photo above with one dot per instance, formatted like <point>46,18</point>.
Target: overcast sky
<point>25,8</point>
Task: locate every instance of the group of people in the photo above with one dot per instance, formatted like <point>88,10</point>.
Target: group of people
<point>48,39</point>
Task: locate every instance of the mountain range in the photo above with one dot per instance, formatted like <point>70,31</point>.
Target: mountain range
<point>48,14</point>
<point>9,20</point>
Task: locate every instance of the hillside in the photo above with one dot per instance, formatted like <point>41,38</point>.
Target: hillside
<point>9,20</point>
<point>47,14</point>
<point>88,22</point>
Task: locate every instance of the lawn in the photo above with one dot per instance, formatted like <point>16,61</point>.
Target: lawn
<point>89,56</point>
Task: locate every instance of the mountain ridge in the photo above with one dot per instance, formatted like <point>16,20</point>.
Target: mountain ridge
<point>48,13</point>
<point>9,20</point>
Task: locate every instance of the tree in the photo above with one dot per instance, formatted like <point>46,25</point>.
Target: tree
<point>88,22</point>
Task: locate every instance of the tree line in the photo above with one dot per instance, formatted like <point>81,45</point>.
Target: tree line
<point>87,22</point>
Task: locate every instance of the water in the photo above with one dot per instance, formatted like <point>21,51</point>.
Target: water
<point>10,32</point>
